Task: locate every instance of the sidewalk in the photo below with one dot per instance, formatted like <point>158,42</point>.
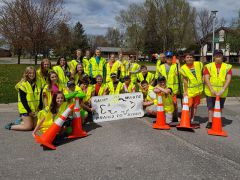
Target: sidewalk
<point>12,107</point>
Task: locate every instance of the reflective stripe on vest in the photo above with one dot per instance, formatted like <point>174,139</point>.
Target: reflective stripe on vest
<point>195,84</point>
<point>217,80</point>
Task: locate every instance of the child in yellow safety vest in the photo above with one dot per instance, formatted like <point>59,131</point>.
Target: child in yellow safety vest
<point>167,100</point>
<point>63,71</point>
<point>170,71</point>
<point>145,75</point>
<point>52,87</point>
<point>114,86</point>
<point>192,73</point>
<point>42,72</point>
<point>217,76</point>
<point>99,87</point>
<point>128,86</point>
<point>113,66</point>
<point>132,69</point>
<point>79,74</point>
<point>29,101</point>
<point>49,114</point>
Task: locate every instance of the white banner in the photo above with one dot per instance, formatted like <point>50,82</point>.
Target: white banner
<point>119,106</point>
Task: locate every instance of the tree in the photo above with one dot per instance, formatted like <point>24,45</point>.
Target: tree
<point>31,24</point>
<point>113,37</point>
<point>63,38</point>
<point>95,41</point>
<point>11,27</point>
<point>79,39</point>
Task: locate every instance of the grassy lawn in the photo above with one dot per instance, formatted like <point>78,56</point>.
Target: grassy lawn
<point>10,74</point>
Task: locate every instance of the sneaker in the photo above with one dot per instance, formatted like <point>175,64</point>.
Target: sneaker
<point>17,121</point>
<point>8,125</point>
<point>209,125</point>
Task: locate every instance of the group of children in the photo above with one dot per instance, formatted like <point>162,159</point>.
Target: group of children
<point>43,93</point>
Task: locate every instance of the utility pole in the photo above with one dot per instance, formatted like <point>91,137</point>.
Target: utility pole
<point>214,15</point>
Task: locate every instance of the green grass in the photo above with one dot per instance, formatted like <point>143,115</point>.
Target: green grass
<point>10,74</point>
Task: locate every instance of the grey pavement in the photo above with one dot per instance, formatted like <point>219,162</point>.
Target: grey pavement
<point>126,149</point>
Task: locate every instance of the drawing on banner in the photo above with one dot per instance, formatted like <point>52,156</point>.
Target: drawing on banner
<point>115,107</point>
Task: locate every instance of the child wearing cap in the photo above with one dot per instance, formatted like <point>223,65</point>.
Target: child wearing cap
<point>170,72</point>
<point>166,93</point>
<point>217,76</point>
<point>114,86</point>
<point>128,86</point>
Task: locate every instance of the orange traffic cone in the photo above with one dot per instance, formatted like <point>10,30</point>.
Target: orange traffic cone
<point>77,131</point>
<point>216,129</point>
<point>160,120</point>
<point>47,138</point>
<point>185,122</point>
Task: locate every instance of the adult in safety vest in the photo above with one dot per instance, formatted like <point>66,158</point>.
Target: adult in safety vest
<point>169,71</point>
<point>97,66</point>
<point>113,66</point>
<point>133,69</point>
<point>99,87</point>
<point>128,86</point>
<point>85,61</point>
<point>124,66</point>
<point>217,76</point>
<point>78,59</point>
<point>63,71</point>
<point>192,83</point>
<point>145,75</point>
<point>29,97</point>
<point>114,86</point>
<point>42,72</point>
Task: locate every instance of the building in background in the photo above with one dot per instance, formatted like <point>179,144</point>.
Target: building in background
<point>221,42</point>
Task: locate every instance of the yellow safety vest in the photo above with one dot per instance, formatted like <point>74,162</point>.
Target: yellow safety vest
<point>97,69</point>
<point>72,65</point>
<point>49,118</point>
<point>101,90</point>
<point>86,65</point>
<point>116,65</point>
<point>124,65</point>
<point>33,97</point>
<point>40,78</point>
<point>217,80</point>
<point>195,84</point>
<point>133,68</point>
<point>112,90</point>
<point>89,92</point>
<point>61,75</point>
<point>49,93</point>
<point>77,78</point>
<point>171,77</point>
<point>128,89</point>
<point>149,78</point>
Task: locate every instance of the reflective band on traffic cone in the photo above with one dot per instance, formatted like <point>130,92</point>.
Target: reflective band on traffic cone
<point>160,120</point>
<point>47,138</point>
<point>185,122</point>
<point>77,131</point>
<point>216,129</point>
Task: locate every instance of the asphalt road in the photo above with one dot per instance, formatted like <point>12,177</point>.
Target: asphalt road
<point>125,149</point>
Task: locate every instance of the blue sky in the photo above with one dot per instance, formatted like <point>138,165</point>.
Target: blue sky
<point>97,15</point>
